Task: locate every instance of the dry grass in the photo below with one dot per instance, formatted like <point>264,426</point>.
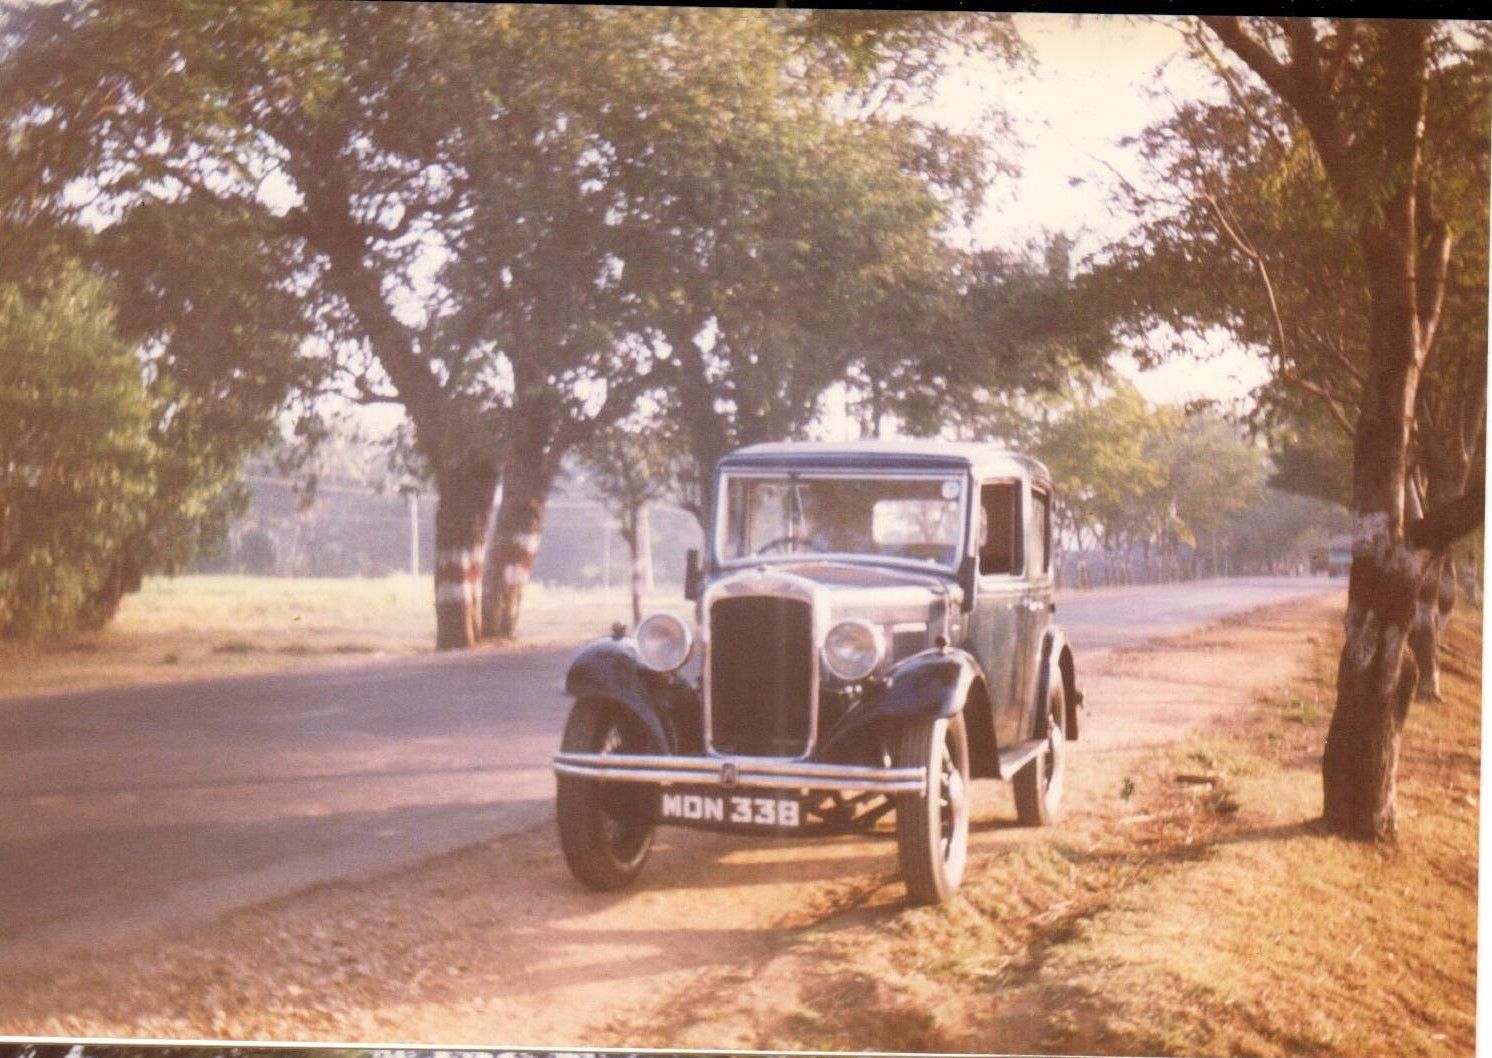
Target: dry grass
<point>1282,940</point>
<point>199,626</point>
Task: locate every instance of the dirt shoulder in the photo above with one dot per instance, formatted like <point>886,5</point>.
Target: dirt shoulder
<point>1199,916</point>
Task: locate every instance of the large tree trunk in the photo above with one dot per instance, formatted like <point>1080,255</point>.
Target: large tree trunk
<point>462,504</point>
<point>125,576</point>
<point>515,543</point>
<point>1376,675</point>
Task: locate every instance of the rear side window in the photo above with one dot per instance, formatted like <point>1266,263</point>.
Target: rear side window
<point>1000,529</point>
<point>1041,531</point>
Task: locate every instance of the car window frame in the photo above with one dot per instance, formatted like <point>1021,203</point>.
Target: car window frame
<point>718,528</point>
<point>1022,485</point>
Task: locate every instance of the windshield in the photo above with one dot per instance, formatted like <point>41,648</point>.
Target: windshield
<point>915,519</point>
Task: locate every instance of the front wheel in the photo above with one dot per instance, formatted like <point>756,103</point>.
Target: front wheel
<point>1038,785</point>
<point>605,828</point>
<point>932,827</point>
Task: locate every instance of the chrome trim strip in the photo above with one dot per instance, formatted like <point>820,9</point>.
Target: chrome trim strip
<point>750,771</point>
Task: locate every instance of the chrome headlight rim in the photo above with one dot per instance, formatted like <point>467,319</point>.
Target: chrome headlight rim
<point>683,636</point>
<point>876,641</point>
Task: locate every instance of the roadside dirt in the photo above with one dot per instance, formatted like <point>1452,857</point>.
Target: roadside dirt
<point>725,942</point>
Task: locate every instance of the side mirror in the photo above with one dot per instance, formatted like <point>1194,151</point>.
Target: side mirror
<point>694,575</point>
<point>968,580</point>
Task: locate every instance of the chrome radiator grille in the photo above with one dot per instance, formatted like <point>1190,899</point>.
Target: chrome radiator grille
<point>761,676</point>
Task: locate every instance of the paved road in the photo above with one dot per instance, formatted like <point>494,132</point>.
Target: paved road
<point>141,807</point>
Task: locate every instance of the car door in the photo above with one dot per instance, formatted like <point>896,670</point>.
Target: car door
<point>995,623</point>
<point>1035,609</point>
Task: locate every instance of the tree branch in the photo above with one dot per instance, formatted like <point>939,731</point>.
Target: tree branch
<point>1431,288</point>
<point>1239,96</point>
<point>1329,399</point>
<point>1346,36</point>
<point>1301,85</point>
<point>1245,247</point>
<point>1446,524</point>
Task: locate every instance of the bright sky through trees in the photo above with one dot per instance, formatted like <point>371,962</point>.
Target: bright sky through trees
<point>1098,79</point>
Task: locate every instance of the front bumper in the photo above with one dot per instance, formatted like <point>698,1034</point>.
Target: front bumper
<point>728,772</point>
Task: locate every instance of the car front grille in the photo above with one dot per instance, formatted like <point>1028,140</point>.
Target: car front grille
<point>761,676</point>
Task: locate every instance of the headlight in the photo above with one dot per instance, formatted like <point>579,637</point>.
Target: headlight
<point>664,642</point>
<point>853,649</point>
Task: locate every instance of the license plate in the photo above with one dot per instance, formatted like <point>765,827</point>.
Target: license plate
<point>765,809</point>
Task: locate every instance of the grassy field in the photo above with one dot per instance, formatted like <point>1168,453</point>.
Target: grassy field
<point>198,626</point>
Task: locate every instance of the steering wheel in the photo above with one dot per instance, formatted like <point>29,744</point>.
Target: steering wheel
<point>783,541</point>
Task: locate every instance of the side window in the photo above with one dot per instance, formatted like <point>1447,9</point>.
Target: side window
<point>1001,534</point>
<point>1041,531</point>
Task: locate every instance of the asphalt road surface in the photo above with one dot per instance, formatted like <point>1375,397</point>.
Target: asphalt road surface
<point>145,807</point>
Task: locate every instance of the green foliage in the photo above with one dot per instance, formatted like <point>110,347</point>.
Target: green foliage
<point>510,220</point>
<point>1000,323</point>
<point>1103,451</point>
<point>772,245</point>
<point>77,464</point>
<point>1130,473</point>
<point>1212,476</point>
<point>1283,524</point>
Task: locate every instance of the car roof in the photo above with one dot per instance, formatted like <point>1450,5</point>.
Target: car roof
<point>981,459</point>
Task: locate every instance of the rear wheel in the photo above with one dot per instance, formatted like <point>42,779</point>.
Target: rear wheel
<point>606,828</point>
<point>932,827</point>
<point>1038,785</point>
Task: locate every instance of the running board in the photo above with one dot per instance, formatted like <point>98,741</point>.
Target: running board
<point>1015,757</point>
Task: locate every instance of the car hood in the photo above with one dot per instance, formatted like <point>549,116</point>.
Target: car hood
<point>912,607</point>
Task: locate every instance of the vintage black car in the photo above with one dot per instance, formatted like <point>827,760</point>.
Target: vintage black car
<point>873,630</point>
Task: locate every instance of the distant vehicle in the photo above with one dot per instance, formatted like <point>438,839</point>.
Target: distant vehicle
<point>873,630</point>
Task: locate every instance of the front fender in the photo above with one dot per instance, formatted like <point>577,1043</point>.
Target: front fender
<point>608,668</point>
<point>934,683</point>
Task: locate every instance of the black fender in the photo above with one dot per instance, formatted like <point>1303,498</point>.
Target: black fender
<point>608,668</point>
<point>1057,664</point>
<point>933,684</point>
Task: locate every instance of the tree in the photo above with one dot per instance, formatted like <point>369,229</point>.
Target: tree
<point>77,463</point>
<point>352,139</point>
<point>995,325</point>
<point>629,468</point>
<point>774,245</point>
<point>219,352</point>
<point>468,202</point>
<point>1103,452</point>
<point>1239,203</point>
<point>1213,476</point>
<point>215,361</point>
<point>1361,91</point>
